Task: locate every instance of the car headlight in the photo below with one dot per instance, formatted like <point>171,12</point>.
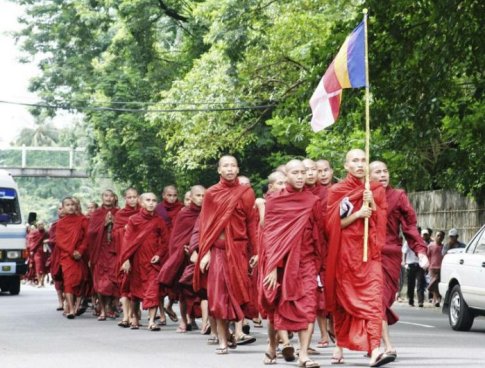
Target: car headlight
<point>13,254</point>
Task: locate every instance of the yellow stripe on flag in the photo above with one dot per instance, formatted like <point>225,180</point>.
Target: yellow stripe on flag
<point>340,66</point>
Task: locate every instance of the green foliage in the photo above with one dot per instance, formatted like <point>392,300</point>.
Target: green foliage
<point>426,74</point>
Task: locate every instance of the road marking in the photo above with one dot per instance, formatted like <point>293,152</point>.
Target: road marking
<point>417,324</point>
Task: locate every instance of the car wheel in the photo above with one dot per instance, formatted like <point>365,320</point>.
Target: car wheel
<point>14,286</point>
<point>459,315</point>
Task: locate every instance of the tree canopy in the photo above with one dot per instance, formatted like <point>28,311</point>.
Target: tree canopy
<point>168,86</point>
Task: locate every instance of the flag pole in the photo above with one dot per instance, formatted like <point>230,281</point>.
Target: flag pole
<point>367,137</point>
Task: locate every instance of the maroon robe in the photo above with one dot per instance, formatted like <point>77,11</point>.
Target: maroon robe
<point>55,258</point>
<point>228,208</point>
<point>118,234</point>
<point>400,216</point>
<point>71,235</point>
<point>353,286</point>
<point>292,244</point>
<point>36,247</point>
<point>145,237</point>
<point>102,253</point>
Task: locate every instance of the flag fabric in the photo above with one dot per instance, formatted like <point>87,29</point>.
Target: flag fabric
<point>346,71</point>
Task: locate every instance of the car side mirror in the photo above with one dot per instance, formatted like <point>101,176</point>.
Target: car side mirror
<point>32,218</point>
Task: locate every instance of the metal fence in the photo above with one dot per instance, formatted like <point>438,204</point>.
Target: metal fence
<point>446,209</point>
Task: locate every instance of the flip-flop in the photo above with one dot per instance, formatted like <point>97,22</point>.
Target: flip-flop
<point>221,351</point>
<point>181,330</point>
<point>337,360</point>
<point>59,308</point>
<point>382,359</point>
<point>322,344</point>
<point>153,327</point>
<point>308,364</point>
<point>245,339</point>
<point>70,316</point>
<point>268,359</point>
<point>213,340</point>
<point>101,318</point>
<point>171,314</point>
<point>134,327</point>
<point>124,324</point>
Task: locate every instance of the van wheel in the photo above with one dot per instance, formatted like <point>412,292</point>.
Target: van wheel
<point>459,315</point>
<point>14,285</point>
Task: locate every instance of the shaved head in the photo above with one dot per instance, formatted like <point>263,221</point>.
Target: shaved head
<point>324,172</point>
<point>170,193</point>
<point>276,181</point>
<point>311,171</point>
<point>197,188</point>
<point>244,180</point>
<point>275,176</point>
<point>225,158</point>
<point>281,168</point>
<point>169,188</point>
<point>355,162</point>
<point>378,172</point>
<point>197,194</point>
<point>374,164</point>
<point>294,163</point>
<point>296,174</point>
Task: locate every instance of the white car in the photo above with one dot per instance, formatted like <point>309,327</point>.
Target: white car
<point>463,283</point>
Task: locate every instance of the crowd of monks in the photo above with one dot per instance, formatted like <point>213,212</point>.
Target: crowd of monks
<point>294,257</point>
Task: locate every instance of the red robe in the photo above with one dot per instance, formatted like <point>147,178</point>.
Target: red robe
<point>102,253</point>
<point>36,247</point>
<point>71,235</point>
<point>321,192</point>
<point>228,208</point>
<point>118,234</point>
<point>55,258</point>
<point>169,211</point>
<point>353,287</point>
<point>145,237</point>
<point>293,245</point>
<point>180,236</point>
<point>400,216</point>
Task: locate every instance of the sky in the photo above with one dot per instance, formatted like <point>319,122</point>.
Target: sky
<point>14,79</point>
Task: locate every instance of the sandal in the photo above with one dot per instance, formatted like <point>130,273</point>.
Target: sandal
<point>258,323</point>
<point>288,353</point>
<point>70,316</point>
<point>102,318</point>
<point>337,360</point>
<point>206,329</point>
<point>134,326</point>
<point>245,339</point>
<point>162,322</point>
<point>153,327</point>
<point>268,359</point>
<point>221,351</point>
<point>232,342</point>
<point>181,329</point>
<point>124,324</point>
<point>322,344</point>
<point>308,364</point>
<point>382,359</point>
<point>213,340</point>
<point>171,314</point>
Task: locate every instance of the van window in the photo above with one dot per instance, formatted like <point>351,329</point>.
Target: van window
<point>9,206</point>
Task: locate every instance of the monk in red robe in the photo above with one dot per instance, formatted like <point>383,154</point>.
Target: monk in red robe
<point>227,225</point>
<point>187,199</point>
<point>72,241</point>
<point>400,217</point>
<point>54,262</point>
<point>168,209</point>
<point>293,245</point>
<point>120,222</point>
<point>313,184</point>
<point>352,285</point>
<point>102,253</point>
<point>178,260</point>
<point>325,173</point>
<point>36,247</point>
<point>144,245</point>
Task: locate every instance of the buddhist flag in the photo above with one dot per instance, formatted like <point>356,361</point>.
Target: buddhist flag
<point>346,71</point>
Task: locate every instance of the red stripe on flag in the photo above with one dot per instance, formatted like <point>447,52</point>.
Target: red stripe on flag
<point>330,81</point>
<point>335,105</point>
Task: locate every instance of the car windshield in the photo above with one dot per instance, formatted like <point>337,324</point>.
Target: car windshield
<point>9,206</point>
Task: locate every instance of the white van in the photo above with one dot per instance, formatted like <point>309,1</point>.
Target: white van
<point>13,253</point>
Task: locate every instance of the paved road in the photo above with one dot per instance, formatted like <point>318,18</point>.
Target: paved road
<point>33,334</point>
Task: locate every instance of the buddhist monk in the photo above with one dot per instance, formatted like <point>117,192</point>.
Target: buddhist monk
<point>352,285</point>
<point>228,225</point>
<point>120,222</point>
<point>55,266</point>
<point>102,254</point>
<point>72,241</point>
<point>173,269</point>
<point>400,217</point>
<point>293,246</point>
<point>168,210</point>
<point>92,206</point>
<point>325,173</point>
<point>144,244</point>
<point>36,247</point>
<point>187,199</point>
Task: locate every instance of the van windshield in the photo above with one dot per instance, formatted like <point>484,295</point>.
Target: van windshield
<point>9,206</point>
